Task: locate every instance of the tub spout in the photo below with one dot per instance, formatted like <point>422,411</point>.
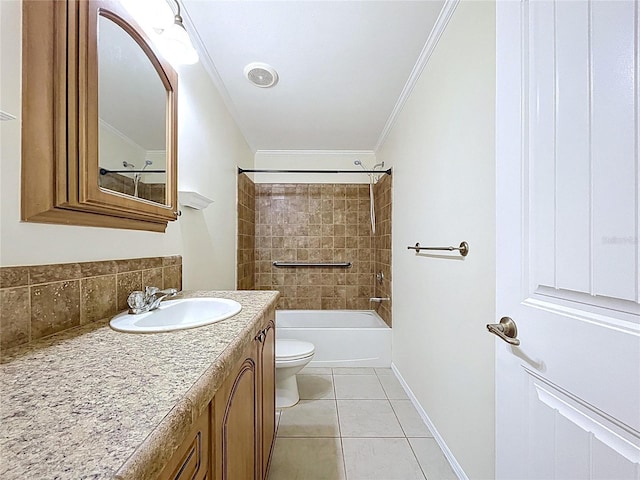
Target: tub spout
<point>379,299</point>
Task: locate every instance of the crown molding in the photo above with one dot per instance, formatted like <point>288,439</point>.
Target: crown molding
<point>314,152</point>
<point>6,116</point>
<point>430,45</point>
<point>117,133</point>
<point>432,41</point>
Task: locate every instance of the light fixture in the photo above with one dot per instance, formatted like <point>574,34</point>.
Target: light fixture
<point>175,44</point>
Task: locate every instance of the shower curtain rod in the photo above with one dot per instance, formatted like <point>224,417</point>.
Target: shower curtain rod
<point>242,170</point>
<point>104,171</point>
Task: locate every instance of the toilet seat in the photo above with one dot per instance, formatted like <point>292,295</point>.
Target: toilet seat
<point>288,350</point>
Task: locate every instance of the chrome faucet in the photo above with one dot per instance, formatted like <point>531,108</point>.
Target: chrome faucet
<point>142,302</point>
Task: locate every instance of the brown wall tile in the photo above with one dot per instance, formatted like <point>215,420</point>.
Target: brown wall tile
<point>54,273</point>
<point>246,255</point>
<point>172,277</point>
<point>153,278</point>
<point>125,284</point>
<point>14,276</point>
<point>133,264</point>
<point>15,317</point>
<point>311,223</point>
<point>95,269</point>
<point>315,223</point>
<point>172,260</point>
<point>98,298</point>
<point>382,246</point>
<point>62,296</point>
<point>112,181</point>
<point>54,307</point>
<point>123,184</point>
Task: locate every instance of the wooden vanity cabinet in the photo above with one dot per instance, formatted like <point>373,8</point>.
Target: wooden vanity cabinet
<point>191,460</point>
<point>235,422</point>
<point>233,439</point>
<point>244,413</point>
<point>267,395</point>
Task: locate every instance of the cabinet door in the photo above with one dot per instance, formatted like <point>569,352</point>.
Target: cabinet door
<point>236,426</point>
<point>191,460</point>
<point>65,177</point>
<point>267,396</point>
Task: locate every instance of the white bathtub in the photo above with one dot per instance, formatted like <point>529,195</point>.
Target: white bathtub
<point>342,338</point>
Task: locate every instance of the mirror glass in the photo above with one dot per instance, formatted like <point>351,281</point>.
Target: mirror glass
<point>132,109</point>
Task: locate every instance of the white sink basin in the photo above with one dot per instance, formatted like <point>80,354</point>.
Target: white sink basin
<point>177,315</point>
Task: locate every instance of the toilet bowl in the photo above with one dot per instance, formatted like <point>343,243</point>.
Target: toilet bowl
<point>291,357</point>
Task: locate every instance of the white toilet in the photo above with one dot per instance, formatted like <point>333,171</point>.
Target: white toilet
<point>291,357</point>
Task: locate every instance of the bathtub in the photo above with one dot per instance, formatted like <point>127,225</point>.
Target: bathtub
<point>342,338</point>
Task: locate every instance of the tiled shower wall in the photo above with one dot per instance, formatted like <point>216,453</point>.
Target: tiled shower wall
<point>315,223</point>
<point>156,192</point>
<point>382,245</point>
<point>246,234</point>
<point>39,300</point>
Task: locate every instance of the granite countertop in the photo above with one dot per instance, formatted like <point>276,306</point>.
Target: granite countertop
<point>93,403</point>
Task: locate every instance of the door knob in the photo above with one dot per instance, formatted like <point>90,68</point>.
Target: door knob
<point>506,330</point>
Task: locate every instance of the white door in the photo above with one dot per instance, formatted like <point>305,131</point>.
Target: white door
<point>568,397</point>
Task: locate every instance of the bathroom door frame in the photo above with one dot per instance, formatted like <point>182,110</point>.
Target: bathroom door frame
<point>567,398</point>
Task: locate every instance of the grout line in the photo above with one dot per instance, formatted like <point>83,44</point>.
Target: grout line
<point>82,308</point>
<point>416,457</point>
<point>397,418</point>
<point>30,329</point>
<point>335,397</point>
<point>340,435</point>
<point>278,420</point>
<point>453,462</point>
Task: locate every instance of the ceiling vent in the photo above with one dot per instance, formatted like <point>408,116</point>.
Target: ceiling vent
<point>261,75</point>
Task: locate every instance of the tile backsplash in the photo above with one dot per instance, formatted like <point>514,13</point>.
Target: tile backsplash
<point>40,300</point>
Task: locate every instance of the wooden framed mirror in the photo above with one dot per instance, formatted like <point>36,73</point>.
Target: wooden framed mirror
<point>99,144</point>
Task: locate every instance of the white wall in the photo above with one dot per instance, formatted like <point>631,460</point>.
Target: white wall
<point>210,150</point>
<point>209,147</point>
<point>114,148</point>
<point>442,151</point>
<point>312,160</point>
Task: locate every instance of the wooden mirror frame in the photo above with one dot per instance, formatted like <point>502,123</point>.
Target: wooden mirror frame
<point>60,120</point>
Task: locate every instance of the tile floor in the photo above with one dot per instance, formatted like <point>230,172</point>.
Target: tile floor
<point>354,424</point>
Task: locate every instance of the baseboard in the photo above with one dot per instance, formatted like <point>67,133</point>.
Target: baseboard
<point>455,466</point>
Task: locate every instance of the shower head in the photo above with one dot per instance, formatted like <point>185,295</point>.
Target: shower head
<point>149,162</point>
<point>126,164</point>
<point>381,165</point>
<point>358,162</point>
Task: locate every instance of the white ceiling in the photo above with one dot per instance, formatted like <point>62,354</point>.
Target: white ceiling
<point>343,66</point>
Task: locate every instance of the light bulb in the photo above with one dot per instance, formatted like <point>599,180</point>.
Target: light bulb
<point>150,14</point>
<point>176,46</point>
